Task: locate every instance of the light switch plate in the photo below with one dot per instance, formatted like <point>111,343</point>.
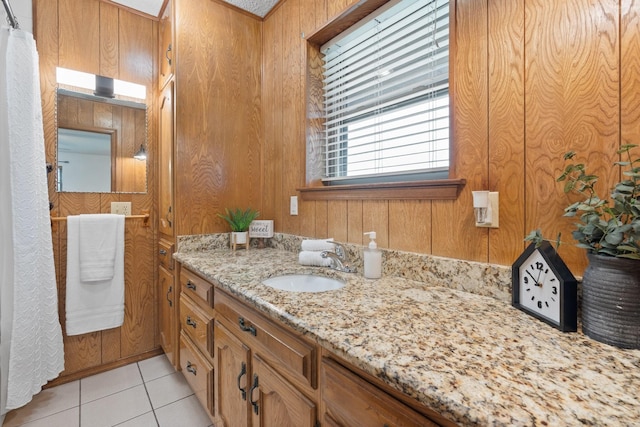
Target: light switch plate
<point>121,208</point>
<point>293,206</point>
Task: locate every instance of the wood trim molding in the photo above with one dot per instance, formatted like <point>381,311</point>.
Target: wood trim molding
<point>441,189</point>
<point>349,16</point>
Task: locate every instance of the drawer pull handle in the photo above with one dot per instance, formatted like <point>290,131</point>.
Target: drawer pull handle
<point>191,285</point>
<point>254,403</point>
<point>163,252</point>
<point>191,368</point>
<point>166,54</point>
<point>250,329</point>
<point>191,322</point>
<point>169,299</point>
<point>243,371</point>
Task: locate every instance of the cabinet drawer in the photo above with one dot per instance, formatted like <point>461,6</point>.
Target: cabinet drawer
<point>197,324</point>
<point>287,353</point>
<point>165,254</point>
<point>197,371</point>
<point>196,287</point>
<point>350,400</point>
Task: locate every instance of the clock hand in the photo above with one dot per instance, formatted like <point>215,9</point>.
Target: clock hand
<point>535,282</point>
<point>538,281</point>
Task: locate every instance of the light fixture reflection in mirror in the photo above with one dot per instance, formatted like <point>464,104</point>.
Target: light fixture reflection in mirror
<point>141,154</point>
<point>88,116</point>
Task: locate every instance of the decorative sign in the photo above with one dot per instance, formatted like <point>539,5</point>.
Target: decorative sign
<point>261,228</point>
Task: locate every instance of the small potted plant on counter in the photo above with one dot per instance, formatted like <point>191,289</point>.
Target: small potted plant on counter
<point>239,221</point>
<point>609,230</point>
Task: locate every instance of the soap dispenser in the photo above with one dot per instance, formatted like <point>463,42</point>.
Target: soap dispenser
<point>372,258</point>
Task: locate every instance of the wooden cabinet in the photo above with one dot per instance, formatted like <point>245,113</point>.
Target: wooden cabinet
<point>165,163</point>
<point>197,370</point>
<point>275,402</point>
<point>350,400</point>
<point>249,370</point>
<point>265,375</point>
<point>232,378</point>
<point>196,336</point>
<point>165,37</point>
<point>167,303</point>
<point>292,356</point>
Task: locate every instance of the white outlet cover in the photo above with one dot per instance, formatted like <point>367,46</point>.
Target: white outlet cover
<point>121,208</point>
<point>293,206</point>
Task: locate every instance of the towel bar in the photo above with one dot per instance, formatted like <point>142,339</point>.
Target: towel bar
<point>144,217</point>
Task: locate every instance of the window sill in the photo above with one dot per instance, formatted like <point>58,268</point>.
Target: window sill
<point>441,189</point>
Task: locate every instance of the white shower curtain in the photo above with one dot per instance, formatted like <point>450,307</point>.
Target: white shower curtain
<point>31,350</point>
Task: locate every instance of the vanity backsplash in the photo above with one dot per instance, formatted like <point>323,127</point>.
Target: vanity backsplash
<point>475,277</point>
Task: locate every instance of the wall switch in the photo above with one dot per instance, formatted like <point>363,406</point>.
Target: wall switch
<point>293,206</point>
<point>121,208</point>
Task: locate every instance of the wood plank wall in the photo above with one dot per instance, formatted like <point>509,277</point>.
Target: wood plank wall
<point>532,79</point>
<point>100,38</point>
<point>218,113</point>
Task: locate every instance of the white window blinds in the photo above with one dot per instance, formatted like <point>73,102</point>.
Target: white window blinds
<point>386,87</point>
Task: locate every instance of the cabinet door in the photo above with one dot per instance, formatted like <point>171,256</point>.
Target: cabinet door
<point>350,400</point>
<point>165,169</point>
<point>275,402</point>
<point>232,378</point>
<point>165,30</point>
<point>166,312</point>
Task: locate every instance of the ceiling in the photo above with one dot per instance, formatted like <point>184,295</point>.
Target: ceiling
<point>153,7</point>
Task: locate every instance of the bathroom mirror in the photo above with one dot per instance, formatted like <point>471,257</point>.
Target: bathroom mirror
<point>97,140</point>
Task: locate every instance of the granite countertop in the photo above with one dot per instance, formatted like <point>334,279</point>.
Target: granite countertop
<point>474,359</point>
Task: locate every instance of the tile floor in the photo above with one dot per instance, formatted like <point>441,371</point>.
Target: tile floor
<point>144,394</point>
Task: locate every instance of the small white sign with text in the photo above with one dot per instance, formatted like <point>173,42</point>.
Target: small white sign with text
<point>261,228</point>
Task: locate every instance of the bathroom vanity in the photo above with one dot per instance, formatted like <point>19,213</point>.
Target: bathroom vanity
<point>402,352</point>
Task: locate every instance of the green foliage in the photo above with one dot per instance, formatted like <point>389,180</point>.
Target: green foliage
<point>536,237</point>
<point>238,219</point>
<point>606,227</point>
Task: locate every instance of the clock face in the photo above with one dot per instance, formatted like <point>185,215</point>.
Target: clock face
<point>539,287</point>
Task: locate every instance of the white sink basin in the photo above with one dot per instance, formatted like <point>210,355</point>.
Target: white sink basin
<point>303,283</point>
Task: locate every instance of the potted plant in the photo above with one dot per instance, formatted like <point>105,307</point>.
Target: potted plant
<point>239,221</point>
<point>609,229</point>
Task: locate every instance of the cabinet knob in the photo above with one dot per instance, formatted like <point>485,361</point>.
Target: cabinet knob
<point>191,285</point>
<point>191,368</point>
<point>191,322</point>
<point>162,252</point>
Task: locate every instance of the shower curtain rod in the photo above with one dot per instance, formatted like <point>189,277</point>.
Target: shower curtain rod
<point>10,16</point>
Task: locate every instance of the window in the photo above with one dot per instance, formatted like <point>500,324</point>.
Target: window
<point>386,95</point>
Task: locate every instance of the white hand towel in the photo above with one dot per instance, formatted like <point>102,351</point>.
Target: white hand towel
<point>98,246</point>
<point>317,245</point>
<point>93,306</point>
<point>313,258</point>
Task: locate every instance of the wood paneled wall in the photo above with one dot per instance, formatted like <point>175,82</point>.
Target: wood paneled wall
<point>531,80</point>
<point>100,38</point>
<point>218,113</point>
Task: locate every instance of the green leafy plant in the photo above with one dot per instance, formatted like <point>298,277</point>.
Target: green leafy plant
<point>238,219</point>
<point>537,237</point>
<point>606,227</point>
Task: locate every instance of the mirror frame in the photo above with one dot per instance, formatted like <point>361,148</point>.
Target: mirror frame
<point>114,139</point>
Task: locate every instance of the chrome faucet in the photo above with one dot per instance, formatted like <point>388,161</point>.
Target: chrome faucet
<point>340,258</point>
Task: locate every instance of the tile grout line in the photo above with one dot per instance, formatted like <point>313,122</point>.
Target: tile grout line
<point>144,384</point>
